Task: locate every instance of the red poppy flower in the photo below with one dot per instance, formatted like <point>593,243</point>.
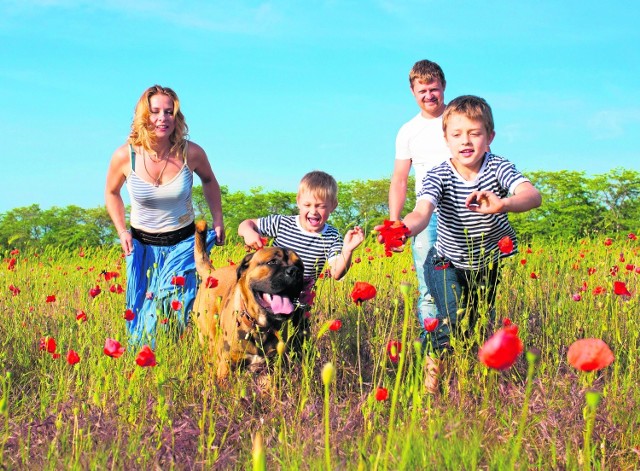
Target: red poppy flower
<point>620,288</point>
<point>502,349</point>
<point>307,297</point>
<point>72,357</point>
<point>632,236</point>
<point>178,280</point>
<point>533,276</point>
<point>505,245</point>
<point>129,315</point>
<point>589,355</point>
<point>55,355</point>
<point>382,394</point>
<point>81,316</point>
<point>117,288</point>
<point>12,264</point>
<point>576,297</point>
<point>523,262</point>
<point>14,252</point>
<point>393,234</point>
<point>598,290</point>
<point>146,357</point>
<point>108,275</point>
<point>14,290</point>
<point>630,267</point>
<point>622,257</point>
<point>608,241</point>
<point>357,260</point>
<point>442,265</point>
<point>113,349</point>
<point>93,292</point>
<point>51,298</point>
<point>335,325</point>
<point>362,291</point>
<point>48,344</point>
<point>81,252</point>
<point>394,348</point>
<point>431,324</point>
<point>176,305</point>
<point>211,282</point>
<point>164,320</point>
<point>506,322</point>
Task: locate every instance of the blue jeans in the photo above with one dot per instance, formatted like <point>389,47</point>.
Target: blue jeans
<point>420,247</point>
<point>150,270</point>
<point>458,292</point>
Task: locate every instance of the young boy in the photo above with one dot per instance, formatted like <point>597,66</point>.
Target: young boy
<point>471,192</point>
<point>308,233</point>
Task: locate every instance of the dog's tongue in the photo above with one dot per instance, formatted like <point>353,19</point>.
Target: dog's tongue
<point>279,304</point>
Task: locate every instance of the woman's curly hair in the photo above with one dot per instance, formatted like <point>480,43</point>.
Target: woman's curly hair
<point>142,133</point>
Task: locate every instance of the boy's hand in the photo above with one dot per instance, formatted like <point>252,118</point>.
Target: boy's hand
<point>485,202</point>
<point>254,241</point>
<point>393,234</point>
<point>353,238</point>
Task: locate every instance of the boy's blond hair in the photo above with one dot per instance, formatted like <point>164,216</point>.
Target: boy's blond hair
<point>473,107</point>
<point>320,184</point>
<point>426,71</point>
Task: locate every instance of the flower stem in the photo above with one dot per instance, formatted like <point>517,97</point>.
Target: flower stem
<point>396,387</point>
<point>532,358</point>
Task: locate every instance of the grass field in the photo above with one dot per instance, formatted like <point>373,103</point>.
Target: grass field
<point>110,413</point>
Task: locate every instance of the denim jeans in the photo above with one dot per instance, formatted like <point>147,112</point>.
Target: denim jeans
<point>420,247</point>
<point>458,292</point>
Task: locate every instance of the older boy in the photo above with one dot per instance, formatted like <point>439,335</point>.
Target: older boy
<point>473,192</point>
<point>308,233</point>
<point>420,144</point>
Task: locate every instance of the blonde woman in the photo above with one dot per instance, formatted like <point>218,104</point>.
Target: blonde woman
<point>156,164</point>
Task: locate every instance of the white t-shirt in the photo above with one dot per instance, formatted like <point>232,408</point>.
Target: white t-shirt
<point>422,140</point>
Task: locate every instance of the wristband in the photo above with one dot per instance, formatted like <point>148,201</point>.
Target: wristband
<point>123,230</point>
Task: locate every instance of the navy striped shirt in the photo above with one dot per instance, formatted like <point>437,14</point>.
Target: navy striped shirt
<point>469,239</point>
<point>314,248</point>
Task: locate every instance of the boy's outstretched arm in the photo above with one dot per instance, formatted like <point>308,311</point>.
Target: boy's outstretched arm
<point>339,265</point>
<point>419,218</point>
<point>525,197</point>
<point>248,230</point>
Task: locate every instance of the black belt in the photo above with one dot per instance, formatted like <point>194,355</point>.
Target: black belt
<point>164,239</point>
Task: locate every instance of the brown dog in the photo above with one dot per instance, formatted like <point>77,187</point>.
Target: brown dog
<point>240,318</point>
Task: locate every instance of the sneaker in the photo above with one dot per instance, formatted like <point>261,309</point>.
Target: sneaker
<point>432,373</point>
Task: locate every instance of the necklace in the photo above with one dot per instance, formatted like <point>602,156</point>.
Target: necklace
<point>156,180</point>
<point>155,157</point>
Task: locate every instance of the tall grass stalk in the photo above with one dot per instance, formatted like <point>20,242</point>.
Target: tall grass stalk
<point>592,400</point>
<point>532,358</point>
<point>396,388</point>
<point>328,373</point>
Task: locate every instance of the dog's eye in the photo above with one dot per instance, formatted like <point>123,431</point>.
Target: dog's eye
<point>273,262</point>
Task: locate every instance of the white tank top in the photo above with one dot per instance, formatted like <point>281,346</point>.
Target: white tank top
<point>164,208</point>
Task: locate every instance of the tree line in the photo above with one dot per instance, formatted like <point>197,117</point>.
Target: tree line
<point>574,206</point>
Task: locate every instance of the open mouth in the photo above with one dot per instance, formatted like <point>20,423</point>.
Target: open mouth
<point>280,304</point>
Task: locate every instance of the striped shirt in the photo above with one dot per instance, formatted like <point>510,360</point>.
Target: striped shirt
<point>162,208</point>
<point>314,248</point>
<point>469,239</point>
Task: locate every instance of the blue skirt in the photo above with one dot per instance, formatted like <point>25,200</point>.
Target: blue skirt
<point>154,294</point>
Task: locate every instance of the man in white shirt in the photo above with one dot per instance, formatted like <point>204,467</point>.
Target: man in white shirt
<point>420,143</point>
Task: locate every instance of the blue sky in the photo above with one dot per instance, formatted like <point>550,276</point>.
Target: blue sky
<point>274,89</point>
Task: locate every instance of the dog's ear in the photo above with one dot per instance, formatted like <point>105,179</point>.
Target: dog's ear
<point>244,264</point>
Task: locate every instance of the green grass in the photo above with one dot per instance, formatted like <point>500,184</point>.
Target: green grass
<point>110,413</point>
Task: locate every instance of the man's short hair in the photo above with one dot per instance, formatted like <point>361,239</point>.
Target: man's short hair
<point>426,71</point>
